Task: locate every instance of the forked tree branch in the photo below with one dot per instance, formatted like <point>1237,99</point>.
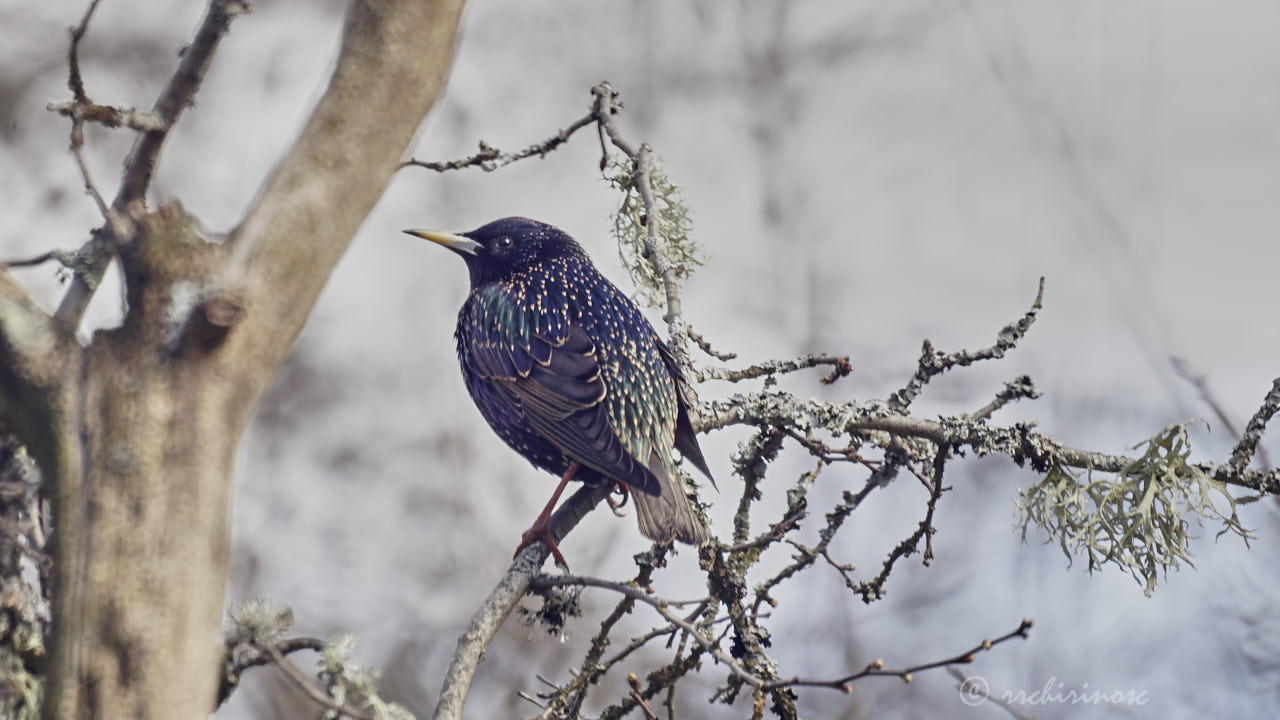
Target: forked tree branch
<point>140,164</point>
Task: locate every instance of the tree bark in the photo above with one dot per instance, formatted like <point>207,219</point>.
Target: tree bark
<point>136,433</point>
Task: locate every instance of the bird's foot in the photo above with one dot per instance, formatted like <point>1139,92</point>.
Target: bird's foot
<point>615,506</point>
<point>541,531</point>
<point>541,528</point>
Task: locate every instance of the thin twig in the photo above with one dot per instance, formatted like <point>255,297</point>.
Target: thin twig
<point>108,115</point>
<point>140,164</point>
<point>62,257</point>
<point>77,152</point>
<point>1016,389</point>
<point>634,682</point>
<point>932,363</point>
<point>876,668</point>
<point>304,683</point>
<point>74,82</point>
<point>590,670</point>
<point>238,661</point>
<point>705,346</point>
<point>808,555</point>
<point>606,107</point>
<point>490,158</point>
<point>662,609</point>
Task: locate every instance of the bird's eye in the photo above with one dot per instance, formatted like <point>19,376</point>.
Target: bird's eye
<point>502,244</point>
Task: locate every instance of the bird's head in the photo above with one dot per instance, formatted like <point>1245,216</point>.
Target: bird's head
<point>504,247</point>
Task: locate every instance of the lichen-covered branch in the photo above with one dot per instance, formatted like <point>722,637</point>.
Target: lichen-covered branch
<point>875,420</point>
<point>1248,445</point>
<point>933,363</point>
<point>839,364</point>
<point>1018,388</point>
<point>663,608</point>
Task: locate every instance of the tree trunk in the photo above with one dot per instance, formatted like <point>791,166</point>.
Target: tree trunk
<point>136,434</point>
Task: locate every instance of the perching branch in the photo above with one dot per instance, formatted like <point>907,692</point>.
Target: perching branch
<point>503,600</point>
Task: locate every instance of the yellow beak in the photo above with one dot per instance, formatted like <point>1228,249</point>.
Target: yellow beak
<point>456,243</point>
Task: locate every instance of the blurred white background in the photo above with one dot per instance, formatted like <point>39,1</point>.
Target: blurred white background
<point>863,175</point>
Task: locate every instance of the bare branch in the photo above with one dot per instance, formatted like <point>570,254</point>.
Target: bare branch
<point>874,589</point>
<point>324,186</point>
<point>62,257</point>
<point>77,152</point>
<point>876,668</point>
<point>177,96</point>
<point>490,158</point>
<point>140,164</point>
<point>74,82</point>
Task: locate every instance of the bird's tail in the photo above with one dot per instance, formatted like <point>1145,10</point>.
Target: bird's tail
<point>668,515</point>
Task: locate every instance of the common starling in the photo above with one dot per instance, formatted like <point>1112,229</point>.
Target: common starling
<point>569,373</point>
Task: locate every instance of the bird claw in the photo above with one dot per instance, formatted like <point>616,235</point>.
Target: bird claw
<point>620,490</point>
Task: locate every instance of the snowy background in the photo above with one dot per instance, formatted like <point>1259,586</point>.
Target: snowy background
<point>863,175</point>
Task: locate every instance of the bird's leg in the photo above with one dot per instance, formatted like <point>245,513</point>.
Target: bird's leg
<point>615,506</point>
<point>541,528</point>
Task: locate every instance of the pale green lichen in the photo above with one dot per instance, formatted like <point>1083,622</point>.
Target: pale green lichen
<point>349,683</point>
<point>260,621</point>
<point>1138,518</point>
<point>629,229</point>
